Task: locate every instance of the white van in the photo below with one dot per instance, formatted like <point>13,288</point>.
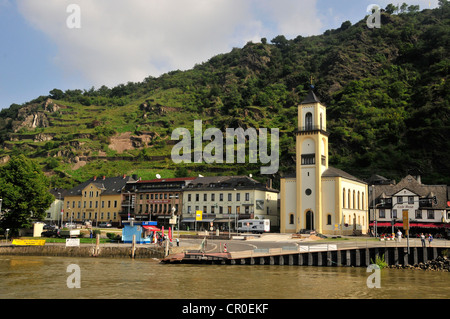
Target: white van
<point>254,225</point>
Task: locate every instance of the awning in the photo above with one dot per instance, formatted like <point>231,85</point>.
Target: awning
<point>192,220</point>
<point>224,220</point>
<point>423,225</point>
<point>427,225</point>
<point>386,224</point>
<point>151,228</point>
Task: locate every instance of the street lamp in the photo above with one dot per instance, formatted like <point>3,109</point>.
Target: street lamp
<point>374,210</point>
<point>61,210</point>
<point>129,204</point>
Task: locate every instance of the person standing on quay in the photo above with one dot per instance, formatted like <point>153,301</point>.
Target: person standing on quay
<point>430,239</point>
<point>399,235</point>
<point>422,239</point>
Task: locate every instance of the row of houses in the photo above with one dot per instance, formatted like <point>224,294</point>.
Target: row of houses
<point>314,197</point>
<point>221,201</point>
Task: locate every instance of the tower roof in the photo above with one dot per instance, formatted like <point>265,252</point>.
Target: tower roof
<point>311,98</point>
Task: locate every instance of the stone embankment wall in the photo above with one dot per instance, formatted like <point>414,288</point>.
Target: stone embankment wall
<point>84,251</point>
<point>441,263</point>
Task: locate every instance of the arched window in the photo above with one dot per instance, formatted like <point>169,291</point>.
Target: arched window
<point>343,198</point>
<point>308,121</point>
<point>329,219</point>
<point>354,199</point>
<point>291,219</point>
<point>359,207</point>
<point>349,199</point>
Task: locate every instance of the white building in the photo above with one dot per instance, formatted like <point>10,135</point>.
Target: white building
<point>426,206</point>
<point>53,213</point>
<point>223,200</point>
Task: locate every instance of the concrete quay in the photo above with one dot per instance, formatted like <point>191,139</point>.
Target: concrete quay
<point>85,250</point>
<point>281,249</point>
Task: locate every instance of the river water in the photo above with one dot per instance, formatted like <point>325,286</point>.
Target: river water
<point>47,278</point>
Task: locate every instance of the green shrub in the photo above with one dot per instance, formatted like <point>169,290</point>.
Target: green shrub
<point>379,261</point>
<point>114,236</point>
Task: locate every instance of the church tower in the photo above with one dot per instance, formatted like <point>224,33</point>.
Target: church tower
<point>320,197</point>
<point>311,162</point>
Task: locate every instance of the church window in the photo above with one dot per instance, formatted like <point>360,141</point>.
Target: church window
<point>328,219</point>
<point>308,159</point>
<point>359,198</point>
<point>354,200</point>
<point>362,201</point>
<point>349,199</point>
<point>343,198</point>
<point>291,219</point>
<point>308,191</point>
<point>308,121</point>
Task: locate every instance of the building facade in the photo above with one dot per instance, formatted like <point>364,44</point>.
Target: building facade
<point>425,205</point>
<point>223,200</point>
<point>54,213</point>
<point>318,197</point>
<point>154,200</point>
<point>96,200</point>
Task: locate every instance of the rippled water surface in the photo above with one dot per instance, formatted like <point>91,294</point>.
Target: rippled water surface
<point>46,277</point>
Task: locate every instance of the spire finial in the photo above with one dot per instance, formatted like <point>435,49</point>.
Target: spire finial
<point>311,84</point>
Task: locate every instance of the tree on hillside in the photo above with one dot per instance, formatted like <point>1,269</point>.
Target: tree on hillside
<point>390,8</point>
<point>24,193</point>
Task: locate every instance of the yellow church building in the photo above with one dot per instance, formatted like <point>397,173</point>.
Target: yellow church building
<point>319,197</point>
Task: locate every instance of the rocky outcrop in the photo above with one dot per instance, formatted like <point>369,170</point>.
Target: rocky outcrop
<point>34,115</point>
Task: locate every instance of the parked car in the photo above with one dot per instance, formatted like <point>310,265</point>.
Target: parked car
<point>104,225</point>
<point>50,233</point>
<point>70,225</point>
<point>50,227</point>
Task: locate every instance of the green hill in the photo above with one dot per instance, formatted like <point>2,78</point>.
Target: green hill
<point>386,91</point>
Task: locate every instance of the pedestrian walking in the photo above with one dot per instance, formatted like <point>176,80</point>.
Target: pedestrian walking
<point>430,239</point>
<point>399,236</point>
<point>178,242</point>
<point>422,239</point>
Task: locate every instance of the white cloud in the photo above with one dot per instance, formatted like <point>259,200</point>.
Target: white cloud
<point>122,41</point>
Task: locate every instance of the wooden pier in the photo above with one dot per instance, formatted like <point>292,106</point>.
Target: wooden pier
<point>317,255</point>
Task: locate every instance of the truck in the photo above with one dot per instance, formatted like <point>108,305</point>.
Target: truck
<point>254,225</point>
<point>69,232</point>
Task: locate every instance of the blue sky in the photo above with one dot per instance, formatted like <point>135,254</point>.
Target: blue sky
<point>120,41</point>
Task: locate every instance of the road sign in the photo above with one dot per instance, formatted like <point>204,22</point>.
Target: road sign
<point>72,242</point>
<point>173,220</point>
<point>405,221</point>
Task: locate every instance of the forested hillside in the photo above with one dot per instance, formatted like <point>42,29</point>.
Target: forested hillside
<point>386,91</point>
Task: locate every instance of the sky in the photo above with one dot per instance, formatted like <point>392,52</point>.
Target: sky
<point>79,44</point>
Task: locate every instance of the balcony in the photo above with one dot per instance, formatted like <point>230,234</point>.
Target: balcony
<point>311,129</point>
